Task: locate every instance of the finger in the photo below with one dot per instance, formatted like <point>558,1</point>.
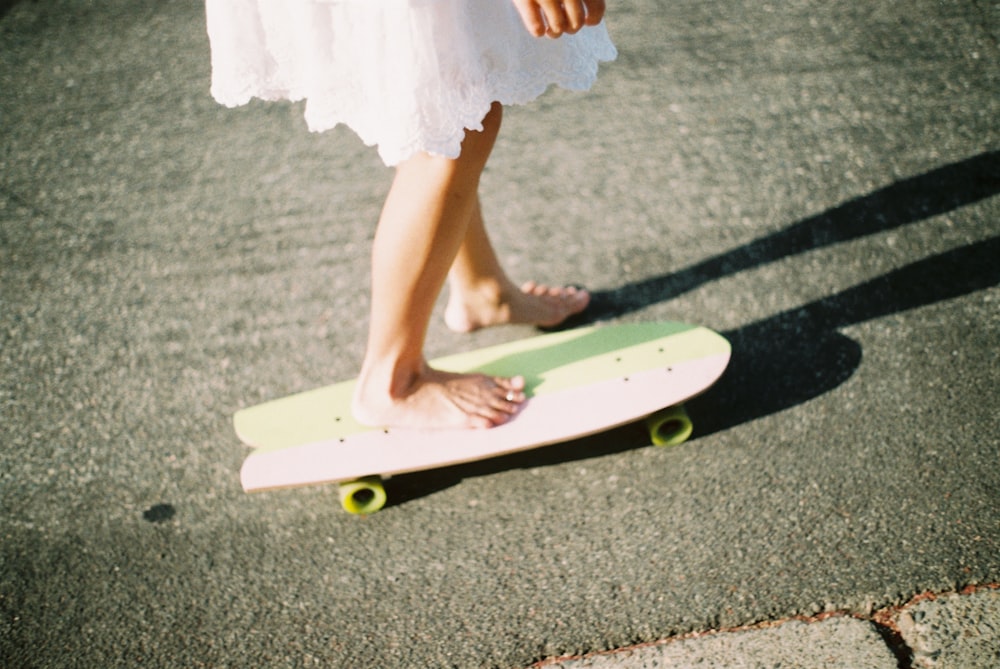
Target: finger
<point>555,17</point>
<point>531,16</point>
<point>576,14</point>
<point>595,11</point>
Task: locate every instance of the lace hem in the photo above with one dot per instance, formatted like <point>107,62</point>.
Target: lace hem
<point>405,75</point>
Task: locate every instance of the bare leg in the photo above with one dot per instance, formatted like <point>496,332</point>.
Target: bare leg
<point>424,222</point>
<point>482,295</point>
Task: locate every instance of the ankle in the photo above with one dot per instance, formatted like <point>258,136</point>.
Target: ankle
<point>481,288</point>
<point>378,387</point>
<point>389,377</point>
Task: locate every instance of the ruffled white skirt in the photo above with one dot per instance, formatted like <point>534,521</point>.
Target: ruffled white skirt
<point>405,75</point>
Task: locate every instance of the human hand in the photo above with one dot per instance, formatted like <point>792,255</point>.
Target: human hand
<point>552,18</point>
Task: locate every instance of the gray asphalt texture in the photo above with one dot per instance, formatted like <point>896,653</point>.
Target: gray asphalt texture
<point>817,181</point>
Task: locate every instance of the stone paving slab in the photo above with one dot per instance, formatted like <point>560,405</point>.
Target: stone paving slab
<point>954,631</point>
<point>949,631</point>
<point>834,642</point>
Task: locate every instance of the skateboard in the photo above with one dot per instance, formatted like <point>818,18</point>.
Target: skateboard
<point>578,382</point>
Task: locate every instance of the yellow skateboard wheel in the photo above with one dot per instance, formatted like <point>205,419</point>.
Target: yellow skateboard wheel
<point>363,496</point>
<point>670,427</point>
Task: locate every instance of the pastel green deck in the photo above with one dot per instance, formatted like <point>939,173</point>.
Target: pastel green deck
<point>549,363</point>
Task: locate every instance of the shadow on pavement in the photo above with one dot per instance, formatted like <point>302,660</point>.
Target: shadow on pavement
<point>936,192</point>
<point>6,6</point>
<point>797,355</point>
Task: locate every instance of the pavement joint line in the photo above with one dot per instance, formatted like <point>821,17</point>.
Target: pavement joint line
<point>885,621</point>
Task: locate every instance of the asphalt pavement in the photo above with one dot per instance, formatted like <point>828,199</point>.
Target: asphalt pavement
<point>817,181</point>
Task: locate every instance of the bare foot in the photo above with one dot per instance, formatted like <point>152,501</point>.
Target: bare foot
<point>440,400</point>
<point>532,304</point>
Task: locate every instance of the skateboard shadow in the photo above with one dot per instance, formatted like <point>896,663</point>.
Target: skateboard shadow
<point>797,355</point>
<point>777,363</point>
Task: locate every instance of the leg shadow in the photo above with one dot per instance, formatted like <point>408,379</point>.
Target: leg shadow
<point>6,6</point>
<point>908,201</point>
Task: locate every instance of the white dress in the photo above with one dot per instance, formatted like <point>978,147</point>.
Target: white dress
<point>405,75</point>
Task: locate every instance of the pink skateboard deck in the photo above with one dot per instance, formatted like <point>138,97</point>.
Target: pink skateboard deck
<point>579,382</point>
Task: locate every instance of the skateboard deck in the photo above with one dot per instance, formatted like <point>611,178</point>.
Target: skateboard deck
<point>578,382</point>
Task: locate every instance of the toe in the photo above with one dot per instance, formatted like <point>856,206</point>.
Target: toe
<point>536,289</point>
<point>508,395</point>
<point>515,383</point>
